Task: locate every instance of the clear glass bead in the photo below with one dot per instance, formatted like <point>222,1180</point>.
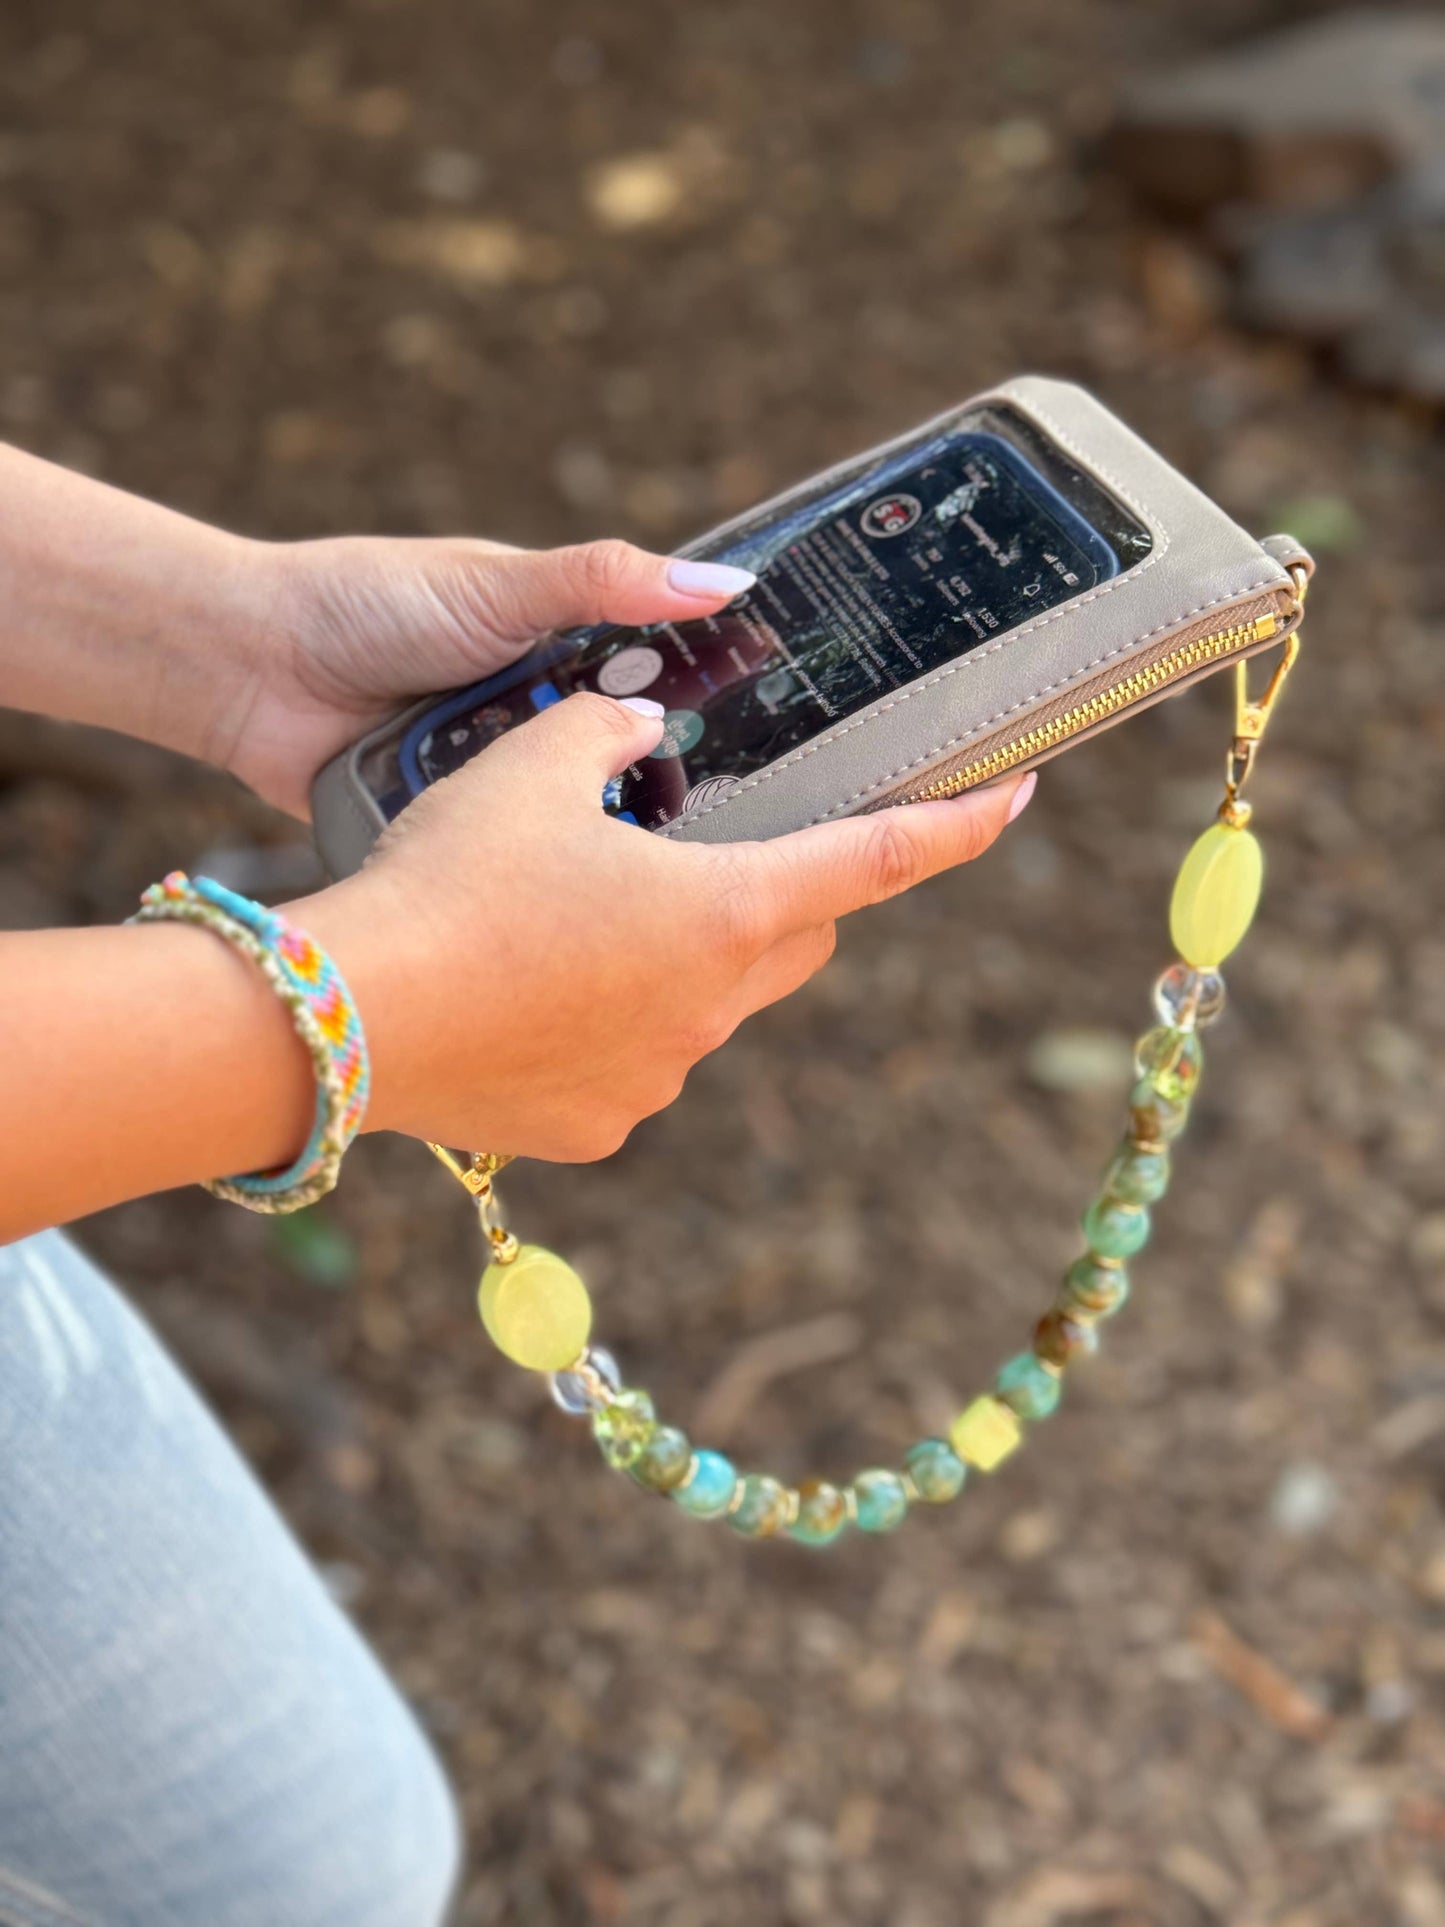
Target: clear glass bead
<point>1184,996</point>
<point>576,1394</point>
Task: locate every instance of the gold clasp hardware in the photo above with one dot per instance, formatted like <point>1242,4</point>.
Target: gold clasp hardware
<point>477,1173</point>
<point>1252,714</point>
<point>475,1176</point>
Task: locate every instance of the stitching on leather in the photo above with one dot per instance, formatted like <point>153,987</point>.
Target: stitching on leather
<point>1065,682</point>
<point>977,656</point>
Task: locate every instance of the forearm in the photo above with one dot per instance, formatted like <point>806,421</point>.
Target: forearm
<point>119,612</point>
<point>134,1059</point>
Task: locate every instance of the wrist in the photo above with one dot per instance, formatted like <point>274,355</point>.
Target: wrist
<point>375,944</point>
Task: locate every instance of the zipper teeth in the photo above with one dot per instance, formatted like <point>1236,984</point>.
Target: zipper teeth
<point>1142,683</point>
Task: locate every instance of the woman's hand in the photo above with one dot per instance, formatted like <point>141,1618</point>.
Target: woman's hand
<point>268,658</point>
<point>536,977</point>
<point>356,626</point>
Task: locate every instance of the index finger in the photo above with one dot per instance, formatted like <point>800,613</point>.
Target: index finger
<point>830,869</point>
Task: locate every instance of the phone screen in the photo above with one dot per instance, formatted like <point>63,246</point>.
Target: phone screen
<point>862,588</point>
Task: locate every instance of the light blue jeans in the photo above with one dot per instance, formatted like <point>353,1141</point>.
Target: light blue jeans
<point>191,1732</point>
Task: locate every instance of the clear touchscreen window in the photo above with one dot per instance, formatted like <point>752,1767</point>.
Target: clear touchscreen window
<point>862,589</point>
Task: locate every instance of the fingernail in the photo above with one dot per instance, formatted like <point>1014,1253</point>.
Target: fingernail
<point>644,705</point>
<point>1022,794</point>
<point>709,579</point>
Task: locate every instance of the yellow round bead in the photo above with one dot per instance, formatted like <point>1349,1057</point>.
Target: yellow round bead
<point>536,1310</point>
<point>1216,895</point>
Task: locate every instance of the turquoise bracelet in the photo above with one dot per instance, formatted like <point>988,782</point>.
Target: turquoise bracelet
<point>321,1009</point>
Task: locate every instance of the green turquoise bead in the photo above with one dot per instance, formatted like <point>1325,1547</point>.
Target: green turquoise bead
<point>936,1470</point>
<point>624,1427</point>
<point>1116,1230</point>
<point>707,1491</point>
<point>663,1462</point>
<point>1171,1060</point>
<point>880,1500</point>
<point>822,1514</point>
<point>763,1508</point>
<point>1099,1290</point>
<point>1137,1177</point>
<point>1029,1387</point>
<point>1153,1117</point>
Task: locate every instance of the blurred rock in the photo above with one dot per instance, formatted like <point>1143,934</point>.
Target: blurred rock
<point>1318,156</point>
<point>635,191</point>
<point>1304,118</point>
<point>1080,1060</point>
<point>1304,1500</point>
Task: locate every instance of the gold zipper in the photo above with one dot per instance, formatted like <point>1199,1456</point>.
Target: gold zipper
<point>1046,736</point>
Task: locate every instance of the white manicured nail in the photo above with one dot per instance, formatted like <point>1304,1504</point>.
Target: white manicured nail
<point>709,580</point>
<point>1022,794</point>
<point>644,705</point>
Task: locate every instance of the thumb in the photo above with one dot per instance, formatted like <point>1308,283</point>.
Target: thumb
<point>570,750</point>
<point>530,591</point>
<point>826,871</point>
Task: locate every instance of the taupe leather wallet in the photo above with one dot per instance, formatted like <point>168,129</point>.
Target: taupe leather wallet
<point>961,602</point>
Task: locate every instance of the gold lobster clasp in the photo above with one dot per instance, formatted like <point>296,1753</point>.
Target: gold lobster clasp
<point>1252,714</point>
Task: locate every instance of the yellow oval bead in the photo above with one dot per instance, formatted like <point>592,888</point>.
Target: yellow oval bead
<point>1216,895</point>
<point>536,1310</point>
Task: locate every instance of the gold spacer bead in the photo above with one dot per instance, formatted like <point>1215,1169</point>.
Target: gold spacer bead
<point>688,1476</point>
<point>794,1500</point>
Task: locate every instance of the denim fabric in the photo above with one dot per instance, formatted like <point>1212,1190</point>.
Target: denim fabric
<point>191,1732</point>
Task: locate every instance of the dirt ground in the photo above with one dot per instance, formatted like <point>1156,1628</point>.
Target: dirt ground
<point>321,267</point>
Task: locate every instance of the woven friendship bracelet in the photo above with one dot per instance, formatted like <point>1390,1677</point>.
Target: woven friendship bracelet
<point>322,1011</point>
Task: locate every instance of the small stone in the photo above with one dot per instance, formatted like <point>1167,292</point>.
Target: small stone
<point>634,191</point>
<point>1304,1500</point>
<point>1079,1060</point>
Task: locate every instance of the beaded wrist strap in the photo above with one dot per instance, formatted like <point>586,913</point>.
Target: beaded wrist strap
<point>537,1311</point>
<point>326,1020</point>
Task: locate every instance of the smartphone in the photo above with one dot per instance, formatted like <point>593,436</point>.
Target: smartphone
<point>873,582</point>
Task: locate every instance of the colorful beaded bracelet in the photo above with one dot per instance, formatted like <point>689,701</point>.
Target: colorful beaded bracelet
<point>326,1020</point>
<point>537,1311</point>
